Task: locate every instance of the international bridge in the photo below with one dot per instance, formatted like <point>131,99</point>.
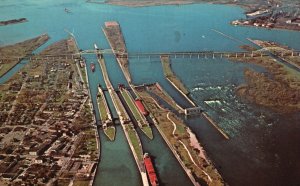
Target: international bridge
<point>150,55</point>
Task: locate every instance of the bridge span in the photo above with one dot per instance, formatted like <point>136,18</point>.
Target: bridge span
<point>138,55</point>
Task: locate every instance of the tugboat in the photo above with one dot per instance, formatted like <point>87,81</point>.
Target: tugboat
<point>93,67</point>
<point>150,170</point>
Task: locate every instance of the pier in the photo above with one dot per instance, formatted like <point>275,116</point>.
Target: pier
<point>127,125</point>
<point>140,118</point>
<point>174,80</point>
<point>113,33</point>
<point>105,115</point>
<point>116,40</point>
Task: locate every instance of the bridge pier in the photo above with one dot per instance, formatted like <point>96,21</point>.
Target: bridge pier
<point>198,56</point>
<point>235,55</point>
<point>175,56</point>
<point>190,56</point>
<point>213,56</point>
<point>221,55</point>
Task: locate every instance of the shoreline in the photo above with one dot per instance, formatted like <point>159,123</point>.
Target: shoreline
<point>177,83</point>
<point>137,4</point>
<point>280,79</point>
<point>33,44</point>
<point>19,61</point>
<point>261,27</point>
<point>186,170</point>
<point>163,3</point>
<point>98,141</point>
<point>183,94</point>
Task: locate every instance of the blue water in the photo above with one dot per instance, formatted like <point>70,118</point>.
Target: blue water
<point>14,70</point>
<point>116,163</point>
<point>177,28</point>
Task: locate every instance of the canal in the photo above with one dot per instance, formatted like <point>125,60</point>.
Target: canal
<point>257,147</point>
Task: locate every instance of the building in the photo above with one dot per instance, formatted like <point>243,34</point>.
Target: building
<point>193,111</point>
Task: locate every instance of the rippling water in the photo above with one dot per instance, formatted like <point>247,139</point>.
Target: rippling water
<point>264,146</point>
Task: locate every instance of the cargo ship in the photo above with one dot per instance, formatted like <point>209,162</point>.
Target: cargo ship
<point>150,170</point>
<point>141,107</point>
<point>93,67</point>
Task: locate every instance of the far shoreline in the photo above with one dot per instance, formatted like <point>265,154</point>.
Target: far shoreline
<point>136,4</point>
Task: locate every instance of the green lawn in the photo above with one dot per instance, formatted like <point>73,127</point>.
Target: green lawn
<point>119,104</point>
<point>5,67</point>
<point>135,143</point>
<point>132,106</point>
<point>101,107</point>
<point>110,132</point>
<point>145,128</point>
<point>148,131</point>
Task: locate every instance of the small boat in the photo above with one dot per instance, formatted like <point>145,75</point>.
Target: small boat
<point>67,10</point>
<point>93,67</point>
<point>96,47</point>
<point>150,170</point>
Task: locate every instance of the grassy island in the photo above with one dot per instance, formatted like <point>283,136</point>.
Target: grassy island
<point>110,132</point>
<point>279,88</point>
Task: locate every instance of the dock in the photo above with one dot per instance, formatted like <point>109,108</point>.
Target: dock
<point>174,80</point>
<point>105,115</point>
<point>127,125</point>
<point>116,40</point>
<point>113,33</point>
